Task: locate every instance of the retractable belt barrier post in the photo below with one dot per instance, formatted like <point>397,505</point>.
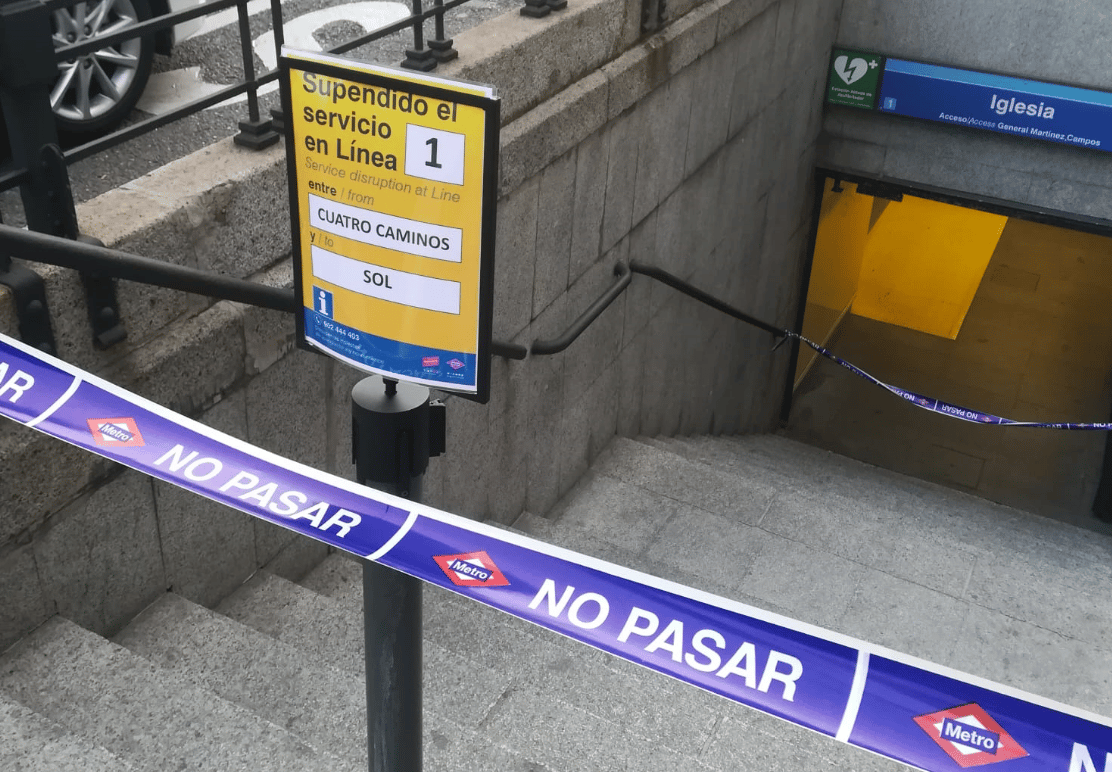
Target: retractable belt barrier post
<point>923,715</point>
<point>390,445</point>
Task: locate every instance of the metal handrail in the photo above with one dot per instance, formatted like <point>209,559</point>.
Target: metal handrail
<point>556,345</point>
<point>680,285</point>
<point>625,275</point>
<point>52,250</point>
<point>43,248</point>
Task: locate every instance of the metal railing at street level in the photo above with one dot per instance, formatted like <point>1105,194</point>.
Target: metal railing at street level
<point>30,152</point>
<point>424,55</point>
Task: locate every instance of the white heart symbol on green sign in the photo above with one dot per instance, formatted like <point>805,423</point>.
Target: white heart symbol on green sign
<point>854,72</point>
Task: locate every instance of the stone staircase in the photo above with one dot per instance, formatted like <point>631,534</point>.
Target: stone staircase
<point>272,679</point>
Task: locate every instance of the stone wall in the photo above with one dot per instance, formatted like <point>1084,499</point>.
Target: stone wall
<point>1026,39</point>
<point>691,150</point>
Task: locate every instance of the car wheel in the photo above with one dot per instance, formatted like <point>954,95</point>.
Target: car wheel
<point>96,91</point>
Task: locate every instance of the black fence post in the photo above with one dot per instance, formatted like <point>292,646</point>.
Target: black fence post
<point>395,428</point>
<point>27,71</point>
<point>254,133</point>
<point>441,46</point>
<point>419,57</point>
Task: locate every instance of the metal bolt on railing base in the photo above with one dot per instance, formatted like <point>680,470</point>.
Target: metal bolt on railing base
<point>256,134</point>
<point>442,50</point>
<point>32,312</point>
<point>536,9</point>
<point>422,60</point>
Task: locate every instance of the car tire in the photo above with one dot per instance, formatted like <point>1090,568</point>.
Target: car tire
<point>95,92</point>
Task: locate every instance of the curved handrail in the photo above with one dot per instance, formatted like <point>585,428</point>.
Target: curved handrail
<point>556,345</point>
<point>625,275</point>
<point>43,248</point>
<point>680,285</point>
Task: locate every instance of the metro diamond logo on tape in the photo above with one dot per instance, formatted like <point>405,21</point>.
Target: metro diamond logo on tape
<point>970,736</point>
<point>471,569</point>
<point>455,364</point>
<point>116,432</point>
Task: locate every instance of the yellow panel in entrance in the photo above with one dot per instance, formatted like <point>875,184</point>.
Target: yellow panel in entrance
<point>923,263</point>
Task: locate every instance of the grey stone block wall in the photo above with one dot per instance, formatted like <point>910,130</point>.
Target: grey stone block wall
<point>690,150</point>
<point>1026,39</point>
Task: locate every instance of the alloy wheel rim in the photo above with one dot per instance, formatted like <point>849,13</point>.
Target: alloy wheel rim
<point>92,84</point>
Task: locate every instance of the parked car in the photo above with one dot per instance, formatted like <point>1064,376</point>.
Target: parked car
<point>95,92</point>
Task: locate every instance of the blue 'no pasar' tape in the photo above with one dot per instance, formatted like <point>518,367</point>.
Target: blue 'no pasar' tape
<point>924,715</point>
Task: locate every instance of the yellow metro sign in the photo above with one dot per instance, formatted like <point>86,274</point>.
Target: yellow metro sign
<point>392,197</point>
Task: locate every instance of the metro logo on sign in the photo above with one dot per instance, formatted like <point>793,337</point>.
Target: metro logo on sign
<point>970,736</point>
<point>471,569</point>
<point>116,432</point>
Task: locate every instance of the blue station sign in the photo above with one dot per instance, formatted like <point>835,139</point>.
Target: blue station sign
<point>1007,105</point>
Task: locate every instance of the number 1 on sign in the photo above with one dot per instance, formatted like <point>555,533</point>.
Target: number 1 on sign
<point>432,154</point>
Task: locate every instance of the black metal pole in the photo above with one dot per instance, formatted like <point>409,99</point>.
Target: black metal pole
<point>391,447</point>
<point>27,73</point>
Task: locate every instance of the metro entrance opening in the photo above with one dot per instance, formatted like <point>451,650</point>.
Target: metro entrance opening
<point>978,306</point>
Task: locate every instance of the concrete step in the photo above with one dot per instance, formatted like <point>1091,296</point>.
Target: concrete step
<point>501,668</point>
<point>665,472</point>
<point>534,525</point>
<point>340,579</point>
<point>482,636</point>
<point>969,522</point>
<point>301,691</point>
<point>789,464</point>
<point>953,579</point>
<point>818,492</point>
<point>30,742</point>
<point>314,624</point>
<point>457,692</point>
<point>297,616</point>
<point>152,718</point>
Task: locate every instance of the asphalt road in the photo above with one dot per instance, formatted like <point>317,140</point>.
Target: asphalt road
<point>212,57</point>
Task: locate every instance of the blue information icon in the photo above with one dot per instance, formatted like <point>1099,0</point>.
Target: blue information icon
<point>322,302</point>
<point>889,103</point>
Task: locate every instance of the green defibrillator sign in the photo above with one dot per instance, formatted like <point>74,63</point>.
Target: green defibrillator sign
<point>854,78</point>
